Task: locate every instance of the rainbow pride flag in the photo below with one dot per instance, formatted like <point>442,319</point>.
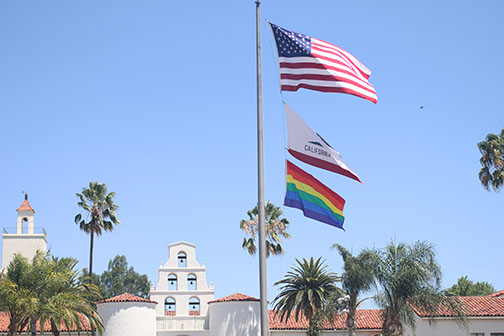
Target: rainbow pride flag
<point>316,200</point>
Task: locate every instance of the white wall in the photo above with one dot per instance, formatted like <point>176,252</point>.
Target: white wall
<point>235,318</point>
<point>188,248</point>
<point>324,332</point>
<point>26,244</point>
<point>449,327</point>
<point>128,318</point>
<point>186,326</point>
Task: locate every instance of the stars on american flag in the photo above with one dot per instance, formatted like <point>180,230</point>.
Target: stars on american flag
<point>291,44</point>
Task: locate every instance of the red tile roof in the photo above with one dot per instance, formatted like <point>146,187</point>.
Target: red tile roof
<point>476,306</point>
<point>4,325</point>
<point>25,206</point>
<point>364,319</point>
<point>235,297</point>
<point>126,297</point>
<point>498,294</point>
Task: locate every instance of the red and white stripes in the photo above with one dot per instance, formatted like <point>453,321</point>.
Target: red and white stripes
<point>329,69</point>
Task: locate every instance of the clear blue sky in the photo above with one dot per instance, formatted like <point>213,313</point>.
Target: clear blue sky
<point>157,100</point>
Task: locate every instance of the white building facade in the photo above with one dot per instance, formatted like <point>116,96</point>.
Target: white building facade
<point>182,293</point>
<point>485,317</point>
<point>128,315</point>
<point>24,238</point>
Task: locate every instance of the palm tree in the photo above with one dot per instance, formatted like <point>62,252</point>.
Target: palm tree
<point>35,278</point>
<point>409,275</point>
<point>100,212</point>
<point>15,303</point>
<point>356,279</point>
<point>276,228</point>
<point>15,300</point>
<point>67,301</point>
<point>306,288</point>
<point>492,161</point>
<point>47,289</point>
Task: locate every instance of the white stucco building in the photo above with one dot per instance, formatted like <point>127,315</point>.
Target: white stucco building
<point>128,315</point>
<point>485,316</point>
<point>186,306</point>
<point>182,293</point>
<point>24,238</point>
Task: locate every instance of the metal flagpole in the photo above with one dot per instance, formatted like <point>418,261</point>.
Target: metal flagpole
<point>260,183</point>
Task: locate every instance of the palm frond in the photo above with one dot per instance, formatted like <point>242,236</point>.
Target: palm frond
<point>407,274</point>
<point>304,289</point>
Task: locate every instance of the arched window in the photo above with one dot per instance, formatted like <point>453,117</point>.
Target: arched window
<point>194,306</point>
<point>24,222</point>
<point>182,259</point>
<point>172,282</point>
<point>170,306</point>
<point>191,282</point>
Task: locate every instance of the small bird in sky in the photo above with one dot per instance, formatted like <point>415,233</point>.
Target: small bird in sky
<point>423,107</point>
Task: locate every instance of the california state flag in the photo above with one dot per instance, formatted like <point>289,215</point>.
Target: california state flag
<point>308,146</point>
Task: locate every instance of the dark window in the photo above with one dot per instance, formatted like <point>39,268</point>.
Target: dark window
<point>25,225</point>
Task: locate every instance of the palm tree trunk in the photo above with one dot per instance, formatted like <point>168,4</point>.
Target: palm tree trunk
<point>394,327</point>
<point>93,331</point>
<point>351,330</point>
<point>13,326</point>
<point>312,329</point>
<point>54,329</point>
<point>91,258</point>
<point>350,322</point>
<point>33,327</point>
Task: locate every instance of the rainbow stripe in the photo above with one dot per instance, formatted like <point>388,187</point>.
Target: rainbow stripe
<point>318,202</point>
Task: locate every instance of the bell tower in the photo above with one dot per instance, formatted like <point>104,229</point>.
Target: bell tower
<point>182,292</point>
<point>24,238</point>
<point>25,215</point>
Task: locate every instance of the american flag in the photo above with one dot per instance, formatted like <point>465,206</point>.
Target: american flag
<point>309,63</point>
